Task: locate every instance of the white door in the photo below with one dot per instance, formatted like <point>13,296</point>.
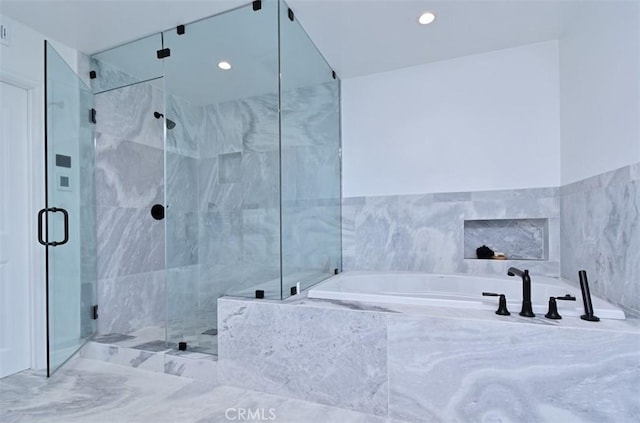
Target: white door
<point>14,242</point>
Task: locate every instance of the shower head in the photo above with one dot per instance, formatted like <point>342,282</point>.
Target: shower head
<point>170,124</point>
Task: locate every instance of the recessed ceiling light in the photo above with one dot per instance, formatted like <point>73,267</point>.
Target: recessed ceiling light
<point>224,65</point>
<point>426,18</point>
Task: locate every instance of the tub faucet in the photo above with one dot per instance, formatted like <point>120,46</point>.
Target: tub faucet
<point>527,310</point>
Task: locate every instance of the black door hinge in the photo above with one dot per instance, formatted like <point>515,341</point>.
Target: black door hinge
<point>333,74</point>
<point>93,75</point>
<point>180,29</point>
<point>291,15</point>
<point>92,115</point>
<point>94,312</point>
<point>165,52</point>
<point>257,5</point>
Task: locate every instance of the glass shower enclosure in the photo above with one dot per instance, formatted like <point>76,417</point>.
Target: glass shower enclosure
<point>242,165</point>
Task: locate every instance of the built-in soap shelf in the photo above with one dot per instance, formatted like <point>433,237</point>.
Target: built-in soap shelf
<point>518,239</point>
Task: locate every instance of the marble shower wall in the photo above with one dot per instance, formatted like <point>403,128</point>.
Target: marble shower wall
<point>310,183</point>
<point>426,232</point>
<point>238,191</point>
<point>239,170</point>
<point>129,180</point>
<point>600,221</point>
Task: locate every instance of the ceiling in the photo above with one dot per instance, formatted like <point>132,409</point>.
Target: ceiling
<point>357,37</point>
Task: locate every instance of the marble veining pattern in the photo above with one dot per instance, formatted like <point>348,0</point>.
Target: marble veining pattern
<point>464,371</point>
<point>323,365</point>
<point>127,113</point>
<point>129,242</point>
<point>128,174</point>
<point>88,390</point>
<point>125,302</point>
<point>222,198</point>
<point>426,232</point>
<point>600,218</point>
<point>443,364</point>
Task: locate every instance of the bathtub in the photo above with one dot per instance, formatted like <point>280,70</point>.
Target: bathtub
<point>456,290</point>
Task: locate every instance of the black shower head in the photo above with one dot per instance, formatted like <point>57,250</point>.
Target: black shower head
<point>170,124</point>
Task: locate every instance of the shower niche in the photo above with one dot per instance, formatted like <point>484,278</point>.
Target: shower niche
<point>232,124</point>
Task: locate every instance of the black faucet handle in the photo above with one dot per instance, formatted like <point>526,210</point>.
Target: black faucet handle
<point>502,303</point>
<point>553,306</point>
<point>567,297</point>
<point>553,309</point>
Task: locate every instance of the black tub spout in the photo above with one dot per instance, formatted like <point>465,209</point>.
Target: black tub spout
<point>527,308</point>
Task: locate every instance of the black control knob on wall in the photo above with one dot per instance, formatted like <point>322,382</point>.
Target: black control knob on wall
<point>157,211</point>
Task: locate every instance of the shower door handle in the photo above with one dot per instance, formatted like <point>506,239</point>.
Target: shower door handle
<point>65,215</point>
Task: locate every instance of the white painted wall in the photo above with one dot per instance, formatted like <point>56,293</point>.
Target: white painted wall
<point>25,56</point>
<point>22,64</point>
<point>483,122</point>
<point>600,89</point>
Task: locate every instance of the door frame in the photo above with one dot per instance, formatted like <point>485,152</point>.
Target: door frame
<point>36,199</point>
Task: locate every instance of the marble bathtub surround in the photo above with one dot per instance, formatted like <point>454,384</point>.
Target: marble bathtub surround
<point>593,224</point>
<point>600,218</point>
<point>426,364</point>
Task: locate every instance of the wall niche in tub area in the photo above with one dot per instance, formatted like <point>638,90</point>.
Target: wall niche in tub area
<point>518,239</point>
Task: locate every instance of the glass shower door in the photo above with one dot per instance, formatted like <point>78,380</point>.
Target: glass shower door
<point>67,223</point>
<point>221,168</point>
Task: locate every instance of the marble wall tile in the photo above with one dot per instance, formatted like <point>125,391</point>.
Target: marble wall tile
<point>521,239</point>
<point>216,196</point>
<point>128,174</point>
<point>182,303</point>
<point>191,126</point>
<point>221,237</point>
<point>311,238</point>
<point>227,123</point>
<point>110,77</point>
<point>310,116</point>
<point>88,298</point>
<point>600,222</point>
<point>426,232</point>
<point>127,113</point>
<point>634,172</point>
<point>549,268</point>
<point>130,241</point>
<point>460,370</point>
<point>253,352</point>
<point>129,179</point>
<point>260,124</point>
<point>261,236</point>
<point>310,172</point>
<point>260,180</point>
<point>182,246</point>
<point>131,302</point>
<point>237,279</point>
<point>230,168</point>
<point>182,182</point>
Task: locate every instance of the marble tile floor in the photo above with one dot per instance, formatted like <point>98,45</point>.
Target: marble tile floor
<point>90,390</point>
